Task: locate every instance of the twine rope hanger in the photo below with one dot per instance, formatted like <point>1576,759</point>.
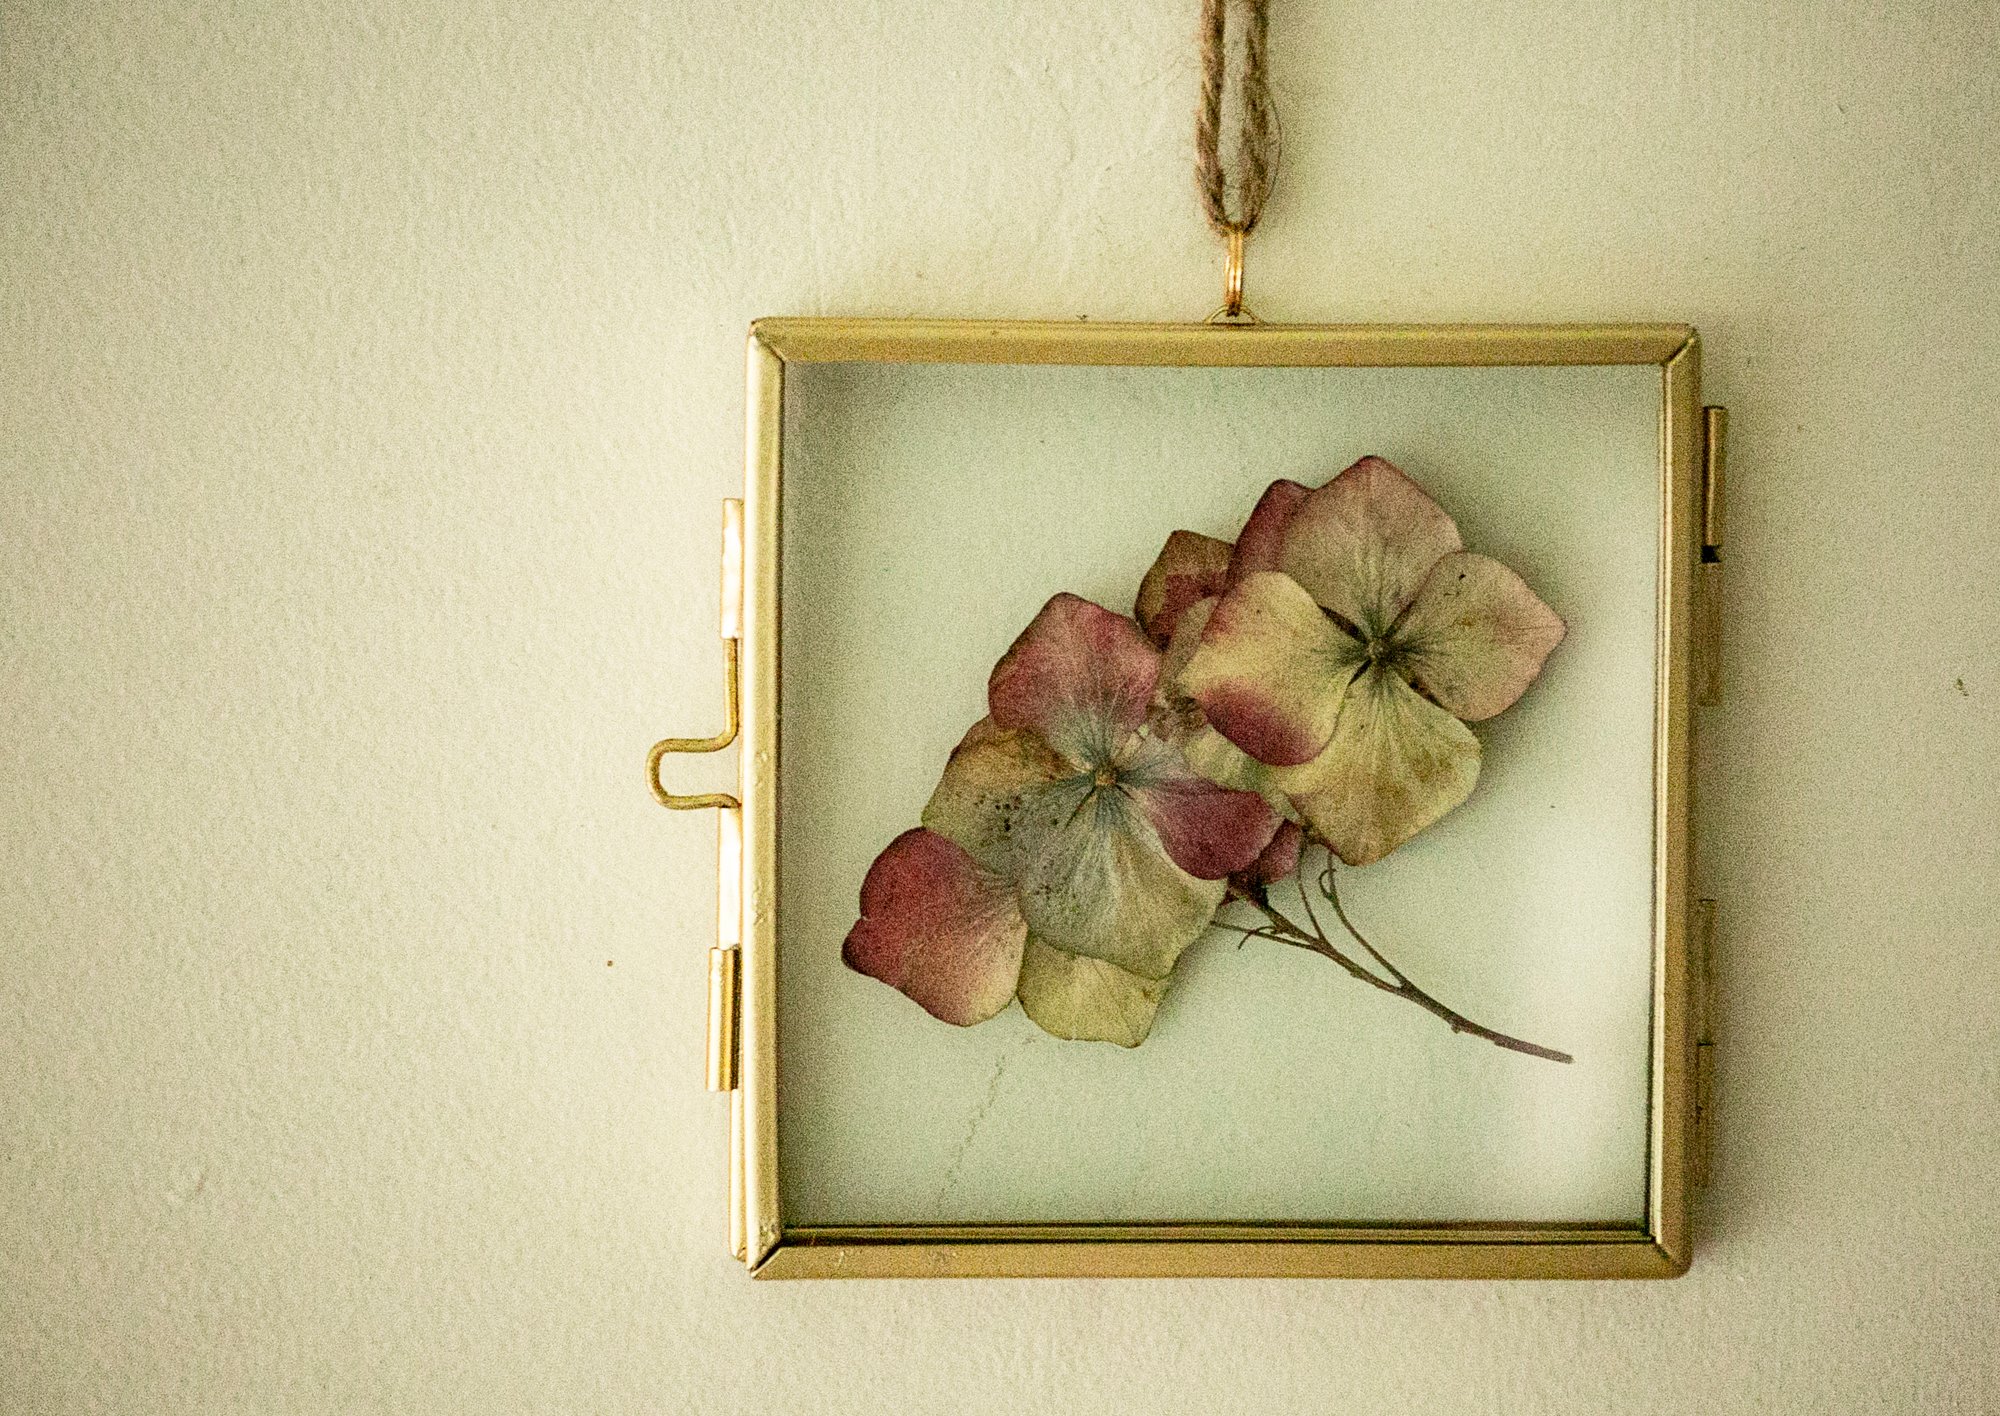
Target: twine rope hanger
<point>1256,146</point>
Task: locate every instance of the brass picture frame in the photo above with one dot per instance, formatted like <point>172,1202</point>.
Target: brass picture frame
<point>744,1054</point>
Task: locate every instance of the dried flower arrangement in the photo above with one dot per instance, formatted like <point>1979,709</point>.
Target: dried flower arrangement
<point>1295,698</point>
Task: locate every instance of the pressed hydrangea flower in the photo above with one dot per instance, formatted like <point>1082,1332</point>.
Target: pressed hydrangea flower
<point>1069,854</point>
<point>1353,640</point>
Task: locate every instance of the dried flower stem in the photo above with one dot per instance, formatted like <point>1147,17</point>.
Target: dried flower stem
<point>1281,929</point>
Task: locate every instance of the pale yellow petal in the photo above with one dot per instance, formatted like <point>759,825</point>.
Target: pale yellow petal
<point>1364,542</point>
<point>1396,763</point>
<point>1088,1000</point>
<point>993,799</point>
<point>1188,629</point>
<point>1475,636</point>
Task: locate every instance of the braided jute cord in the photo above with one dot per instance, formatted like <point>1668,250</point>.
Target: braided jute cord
<point>1256,122</point>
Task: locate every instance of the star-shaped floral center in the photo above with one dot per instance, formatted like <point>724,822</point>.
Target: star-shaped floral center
<point>1352,640</point>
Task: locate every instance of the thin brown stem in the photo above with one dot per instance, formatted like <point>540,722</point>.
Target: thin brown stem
<point>1332,894</point>
<point>1282,929</point>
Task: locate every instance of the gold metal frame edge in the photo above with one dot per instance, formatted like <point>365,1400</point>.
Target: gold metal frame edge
<point>764,415</point>
<point>1233,1258</point>
<point>1661,1248</point>
<point>821,341</point>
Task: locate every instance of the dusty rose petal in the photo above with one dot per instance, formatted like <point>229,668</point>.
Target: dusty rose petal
<point>1087,1000</point>
<point>1278,861</point>
<point>994,797</point>
<point>938,928</point>
<point>1208,831</point>
<point>1270,670</point>
<point>1103,885</point>
<point>1079,675</point>
<point>1188,568</point>
<point>1397,762</point>
<point>1363,544</point>
<point>1476,635</point>
<point>1262,542</point>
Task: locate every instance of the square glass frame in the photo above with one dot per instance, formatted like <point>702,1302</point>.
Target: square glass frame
<point>747,997</point>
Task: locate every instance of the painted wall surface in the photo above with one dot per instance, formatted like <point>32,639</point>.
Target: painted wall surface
<point>369,376</point>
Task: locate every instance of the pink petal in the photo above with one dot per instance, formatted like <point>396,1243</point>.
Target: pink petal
<point>1079,675</point>
<point>1262,542</point>
<point>1188,568</point>
<point>1208,831</point>
<point>1279,860</point>
<point>1476,636</point>
<point>1363,544</point>
<point>1271,669</point>
<point>1397,762</point>
<point>939,929</point>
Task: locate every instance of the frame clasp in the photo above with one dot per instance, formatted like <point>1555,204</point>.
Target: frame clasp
<point>732,636</point>
<point>725,958</point>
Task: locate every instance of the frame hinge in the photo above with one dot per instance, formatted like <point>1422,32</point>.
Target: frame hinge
<point>1708,578</point>
<point>725,958</point>
<point>1702,1142</point>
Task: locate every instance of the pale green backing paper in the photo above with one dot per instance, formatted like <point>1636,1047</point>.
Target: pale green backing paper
<point>929,511</point>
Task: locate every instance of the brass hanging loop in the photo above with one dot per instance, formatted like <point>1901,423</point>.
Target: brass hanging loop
<point>1231,310</point>
<point>732,635</point>
<point>1232,274</point>
<point>1233,193</point>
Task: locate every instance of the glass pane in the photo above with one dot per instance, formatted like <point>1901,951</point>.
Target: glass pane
<point>929,512</point>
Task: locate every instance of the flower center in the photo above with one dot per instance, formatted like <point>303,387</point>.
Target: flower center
<point>1378,650</point>
<point>1106,777</point>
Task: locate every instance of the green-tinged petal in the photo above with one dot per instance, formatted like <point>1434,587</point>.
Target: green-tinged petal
<point>1363,544</point>
<point>998,791</point>
<point>1103,885</point>
<point>1087,1000</point>
<point>1271,669</point>
<point>1080,676</point>
<point>1475,636</point>
<point>938,928</point>
<point>1189,568</point>
<point>1397,762</point>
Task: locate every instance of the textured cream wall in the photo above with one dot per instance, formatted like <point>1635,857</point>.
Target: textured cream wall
<point>369,374</point>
